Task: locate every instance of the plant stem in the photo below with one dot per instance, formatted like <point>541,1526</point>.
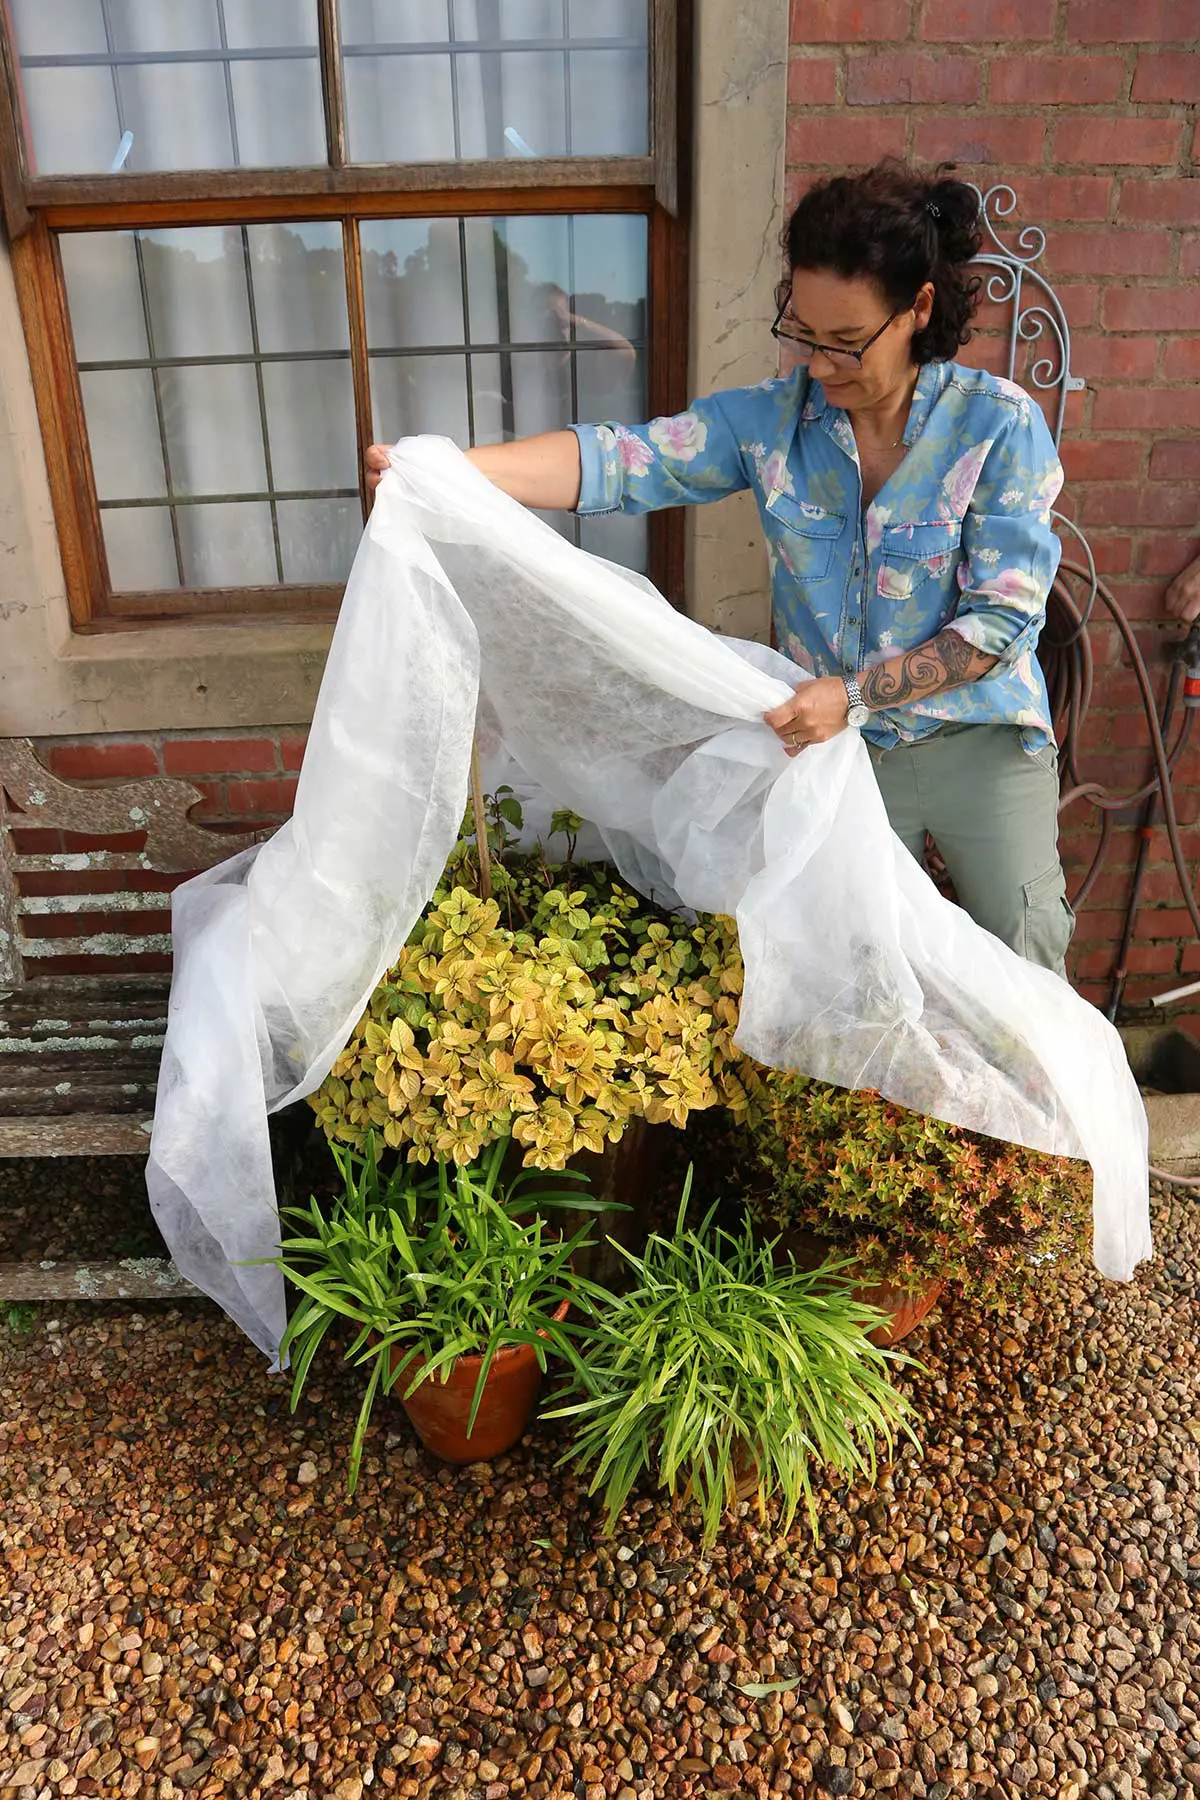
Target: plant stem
<point>481,836</point>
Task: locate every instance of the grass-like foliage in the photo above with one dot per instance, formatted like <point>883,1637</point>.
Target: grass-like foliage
<point>435,1265</point>
<point>718,1360</point>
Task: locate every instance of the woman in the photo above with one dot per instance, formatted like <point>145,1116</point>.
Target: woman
<point>906,503</point>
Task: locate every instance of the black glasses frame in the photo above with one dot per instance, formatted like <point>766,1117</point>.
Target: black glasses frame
<point>832,350</point>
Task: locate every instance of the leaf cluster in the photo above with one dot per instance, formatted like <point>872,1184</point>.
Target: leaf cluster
<point>426,1268</point>
<point>718,1358</point>
<point>912,1199</point>
<point>553,1013</point>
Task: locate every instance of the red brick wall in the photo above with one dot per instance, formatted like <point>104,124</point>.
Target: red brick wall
<point>1088,108</point>
<point>247,779</point>
<point>247,782</point>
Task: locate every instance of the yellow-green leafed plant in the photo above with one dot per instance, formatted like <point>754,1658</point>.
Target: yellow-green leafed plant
<point>553,1013</point>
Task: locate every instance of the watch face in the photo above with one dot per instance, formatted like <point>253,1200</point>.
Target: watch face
<point>858,715</point>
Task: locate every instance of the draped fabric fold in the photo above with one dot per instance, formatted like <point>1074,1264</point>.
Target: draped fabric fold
<point>461,604</point>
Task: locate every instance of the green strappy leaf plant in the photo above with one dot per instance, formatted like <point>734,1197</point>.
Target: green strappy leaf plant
<point>431,1265</point>
<point>719,1363</point>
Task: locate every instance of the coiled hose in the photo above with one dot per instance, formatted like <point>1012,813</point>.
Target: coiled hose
<point>1065,653</point>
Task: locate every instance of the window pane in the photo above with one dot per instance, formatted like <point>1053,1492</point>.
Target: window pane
<point>104,293</point>
<point>607,18</point>
<point>122,421</point>
<point>412,282</point>
<point>495,78</point>
<point>277,106</point>
<point>58,27</point>
<point>412,395</point>
<point>617,537</point>
<point>310,424</point>
<point>140,547</point>
<point>318,538</point>
<point>607,99</point>
<point>299,284</point>
<point>225,545</point>
<point>213,429</point>
<point>518,274</point>
<point>382,21</point>
<point>609,383</point>
<point>508,18</point>
<point>196,288</point>
<point>215,369</point>
<point>513,105</point>
<point>74,123</point>
<point>400,109</point>
<point>214,84</point>
<point>555,330</point>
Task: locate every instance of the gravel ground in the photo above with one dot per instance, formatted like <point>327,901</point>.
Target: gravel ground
<point>190,1605</point>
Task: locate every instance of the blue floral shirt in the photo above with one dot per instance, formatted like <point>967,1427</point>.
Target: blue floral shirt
<point>960,535</point>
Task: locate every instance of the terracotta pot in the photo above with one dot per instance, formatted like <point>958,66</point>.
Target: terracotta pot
<point>907,1309</point>
<point>439,1410</point>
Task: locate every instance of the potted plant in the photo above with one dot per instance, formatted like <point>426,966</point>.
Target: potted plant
<point>541,1000</point>
<point>721,1369</point>
<point>913,1203</point>
<point>454,1285</point>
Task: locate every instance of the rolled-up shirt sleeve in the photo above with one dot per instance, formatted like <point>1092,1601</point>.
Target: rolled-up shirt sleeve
<point>684,460</point>
<point>1010,553</point>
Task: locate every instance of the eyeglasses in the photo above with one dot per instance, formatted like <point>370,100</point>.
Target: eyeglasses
<point>838,355</point>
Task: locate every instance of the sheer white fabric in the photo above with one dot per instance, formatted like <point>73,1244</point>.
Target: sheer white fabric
<point>857,970</point>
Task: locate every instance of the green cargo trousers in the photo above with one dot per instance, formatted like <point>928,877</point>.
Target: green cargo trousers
<point>992,810</point>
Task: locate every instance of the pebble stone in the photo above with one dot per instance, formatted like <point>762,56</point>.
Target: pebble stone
<point>190,1605</point>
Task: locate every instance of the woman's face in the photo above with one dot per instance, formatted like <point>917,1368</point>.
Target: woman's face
<point>844,314</point>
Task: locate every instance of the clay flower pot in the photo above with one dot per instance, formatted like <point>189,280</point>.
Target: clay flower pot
<point>907,1310</point>
<point>440,1409</point>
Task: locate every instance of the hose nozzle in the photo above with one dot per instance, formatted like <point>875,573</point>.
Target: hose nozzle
<point>1189,655</point>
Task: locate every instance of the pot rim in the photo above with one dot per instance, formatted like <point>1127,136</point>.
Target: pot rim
<point>475,1357</point>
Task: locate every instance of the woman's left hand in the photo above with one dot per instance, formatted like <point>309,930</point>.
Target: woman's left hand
<point>816,711</point>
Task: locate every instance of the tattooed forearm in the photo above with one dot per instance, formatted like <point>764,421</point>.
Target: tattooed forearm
<point>946,661</point>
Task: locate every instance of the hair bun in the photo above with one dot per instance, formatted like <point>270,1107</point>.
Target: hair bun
<point>955,209</point>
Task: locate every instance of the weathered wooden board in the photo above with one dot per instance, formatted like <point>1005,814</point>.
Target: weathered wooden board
<point>105,1134</point>
<point>134,1278</point>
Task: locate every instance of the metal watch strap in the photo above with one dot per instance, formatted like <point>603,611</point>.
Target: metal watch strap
<point>854,693</point>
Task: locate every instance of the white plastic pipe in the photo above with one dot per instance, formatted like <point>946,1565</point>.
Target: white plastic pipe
<point>1179,993</point>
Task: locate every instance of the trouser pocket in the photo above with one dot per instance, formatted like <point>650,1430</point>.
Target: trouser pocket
<point>1049,921</point>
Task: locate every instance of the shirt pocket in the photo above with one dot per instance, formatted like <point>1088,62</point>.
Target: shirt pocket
<point>910,554</point>
<point>809,536</point>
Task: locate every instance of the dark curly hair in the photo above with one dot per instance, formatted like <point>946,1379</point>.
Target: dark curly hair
<point>902,228</point>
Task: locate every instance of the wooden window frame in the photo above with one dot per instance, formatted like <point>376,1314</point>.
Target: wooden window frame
<point>37,208</point>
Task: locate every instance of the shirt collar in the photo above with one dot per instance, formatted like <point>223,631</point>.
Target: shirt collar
<point>931,378</point>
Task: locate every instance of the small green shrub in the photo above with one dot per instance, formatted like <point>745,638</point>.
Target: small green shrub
<point>717,1361</point>
<point>434,1265</point>
<point>912,1200</point>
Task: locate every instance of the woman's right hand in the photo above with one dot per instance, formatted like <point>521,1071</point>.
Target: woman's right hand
<point>378,462</point>
<point>1183,595</point>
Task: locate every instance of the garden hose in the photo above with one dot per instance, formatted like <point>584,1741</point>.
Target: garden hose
<point>1069,669</point>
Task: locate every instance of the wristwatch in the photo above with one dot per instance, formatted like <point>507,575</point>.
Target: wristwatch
<point>859,712</point>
